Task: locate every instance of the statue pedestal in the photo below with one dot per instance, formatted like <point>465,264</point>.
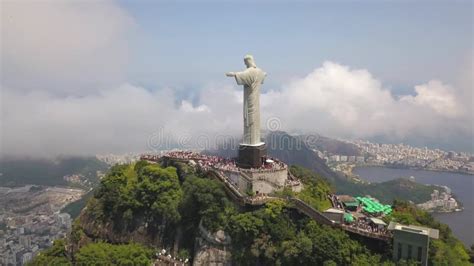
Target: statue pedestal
<point>251,156</point>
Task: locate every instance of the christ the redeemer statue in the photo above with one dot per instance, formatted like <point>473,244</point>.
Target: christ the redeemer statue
<point>252,148</point>
<point>251,78</point>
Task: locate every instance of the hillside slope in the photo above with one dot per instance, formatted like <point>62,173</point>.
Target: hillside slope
<point>150,205</point>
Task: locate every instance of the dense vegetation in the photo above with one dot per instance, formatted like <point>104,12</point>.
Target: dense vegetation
<point>95,254</point>
<point>276,235</point>
<point>168,200</point>
<point>166,204</point>
<point>315,188</point>
<point>133,195</point>
<point>19,172</point>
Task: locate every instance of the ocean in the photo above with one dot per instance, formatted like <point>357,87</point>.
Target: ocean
<point>462,186</point>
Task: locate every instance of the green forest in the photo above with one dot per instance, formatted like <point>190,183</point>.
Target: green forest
<point>163,206</point>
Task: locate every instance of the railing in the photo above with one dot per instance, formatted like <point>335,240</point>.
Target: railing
<point>259,200</point>
<point>233,192</point>
<point>274,184</point>
<point>263,170</point>
<point>384,237</point>
<point>320,218</point>
<point>311,212</point>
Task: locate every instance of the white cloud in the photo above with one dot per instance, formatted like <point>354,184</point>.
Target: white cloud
<point>332,100</point>
<point>438,97</point>
<point>339,101</point>
<point>113,120</point>
<point>189,108</point>
<point>63,45</point>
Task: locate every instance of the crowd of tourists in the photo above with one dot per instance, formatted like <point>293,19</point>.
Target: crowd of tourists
<point>335,202</point>
<point>150,157</point>
<point>189,155</point>
<point>366,225</point>
<point>216,162</point>
<point>259,197</point>
<point>167,259</point>
<point>208,162</point>
<point>362,223</point>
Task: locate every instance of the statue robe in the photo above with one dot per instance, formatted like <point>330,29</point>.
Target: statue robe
<point>251,78</point>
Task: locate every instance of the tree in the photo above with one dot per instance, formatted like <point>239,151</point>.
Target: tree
<point>204,199</point>
<point>108,254</point>
<point>270,236</point>
<point>315,188</point>
<point>55,255</point>
<point>127,198</point>
<point>139,165</point>
<point>160,194</point>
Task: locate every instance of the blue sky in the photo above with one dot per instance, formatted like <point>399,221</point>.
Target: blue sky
<point>402,43</point>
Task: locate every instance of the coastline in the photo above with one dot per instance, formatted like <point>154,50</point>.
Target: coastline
<point>350,173</point>
<point>435,210</point>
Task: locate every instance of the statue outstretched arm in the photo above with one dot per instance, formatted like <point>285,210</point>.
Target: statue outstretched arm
<point>230,74</point>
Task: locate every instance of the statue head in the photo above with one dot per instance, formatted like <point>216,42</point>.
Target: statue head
<point>249,62</point>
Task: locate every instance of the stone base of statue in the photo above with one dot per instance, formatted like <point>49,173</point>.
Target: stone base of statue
<point>251,156</point>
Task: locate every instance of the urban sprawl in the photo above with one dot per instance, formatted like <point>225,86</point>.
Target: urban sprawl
<point>403,155</point>
<point>30,220</point>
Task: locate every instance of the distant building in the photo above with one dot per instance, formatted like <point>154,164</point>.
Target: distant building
<point>64,219</point>
<point>9,258</point>
<point>411,242</point>
<point>25,258</point>
<point>25,241</point>
<point>450,204</point>
<point>334,158</point>
<point>451,154</point>
<point>445,196</point>
<point>20,231</point>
